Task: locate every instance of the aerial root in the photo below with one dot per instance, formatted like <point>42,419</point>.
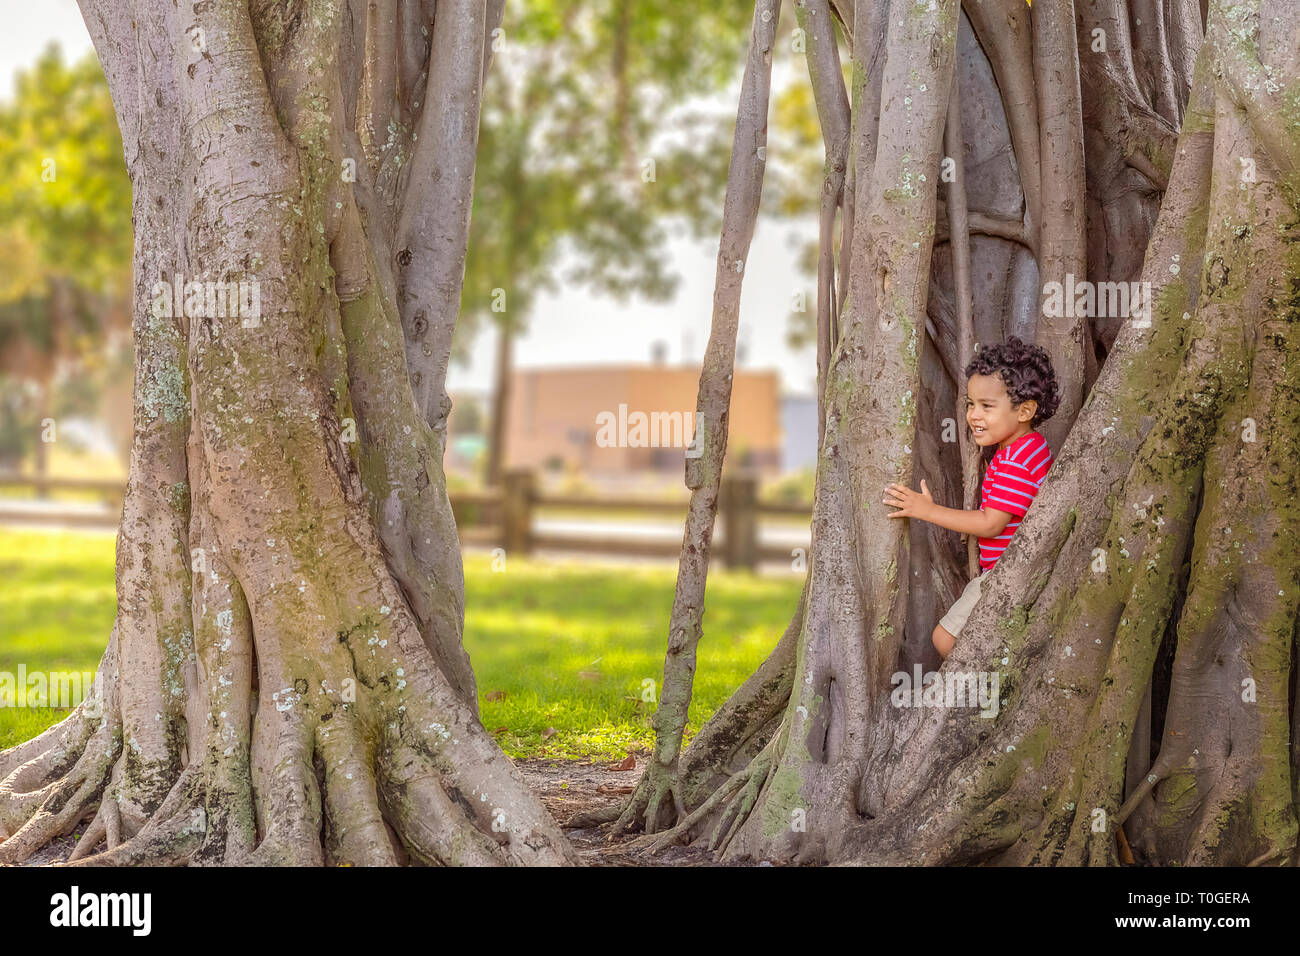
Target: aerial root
<point>53,808</point>
<point>19,799</point>
<point>657,794</point>
<point>436,830</point>
<point>736,796</point>
<point>106,827</point>
<point>651,843</point>
<point>656,783</point>
<point>635,809</point>
<point>59,808</point>
<point>171,834</point>
<point>742,803</point>
<point>594,818</point>
<point>96,832</point>
<point>749,720</point>
<point>1165,763</point>
<point>356,833</point>
<point>160,843</point>
<point>28,785</point>
<point>1267,855</point>
<point>48,749</point>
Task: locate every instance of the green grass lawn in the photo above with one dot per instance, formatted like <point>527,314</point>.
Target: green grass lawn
<point>56,611</point>
<point>562,651</point>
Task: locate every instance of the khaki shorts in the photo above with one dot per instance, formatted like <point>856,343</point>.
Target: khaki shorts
<point>955,619</point>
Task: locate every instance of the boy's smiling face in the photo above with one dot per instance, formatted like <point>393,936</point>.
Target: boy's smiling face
<point>990,415</point>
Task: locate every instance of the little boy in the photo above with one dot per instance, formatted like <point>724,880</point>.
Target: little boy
<point>1011,389</point>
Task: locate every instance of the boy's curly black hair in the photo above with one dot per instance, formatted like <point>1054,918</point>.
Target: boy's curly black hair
<point>1027,372</point>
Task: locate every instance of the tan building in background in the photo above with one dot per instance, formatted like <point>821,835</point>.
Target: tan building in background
<point>570,419</point>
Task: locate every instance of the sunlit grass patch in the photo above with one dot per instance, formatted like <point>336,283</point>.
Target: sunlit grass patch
<point>566,655</point>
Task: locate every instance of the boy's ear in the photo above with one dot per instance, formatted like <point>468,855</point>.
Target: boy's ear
<point>1030,405</point>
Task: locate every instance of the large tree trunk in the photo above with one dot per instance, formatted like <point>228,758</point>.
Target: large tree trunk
<point>285,681</point>
<point>1143,620</point>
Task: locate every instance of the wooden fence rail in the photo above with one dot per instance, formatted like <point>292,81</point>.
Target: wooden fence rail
<point>503,517</point>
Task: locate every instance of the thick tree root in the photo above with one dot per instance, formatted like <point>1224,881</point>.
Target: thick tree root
<point>328,805</point>
<point>51,810</point>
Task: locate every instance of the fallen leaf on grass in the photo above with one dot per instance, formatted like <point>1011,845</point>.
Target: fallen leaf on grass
<point>496,695</point>
<point>628,763</point>
<point>500,730</point>
<point>590,675</point>
<point>549,732</point>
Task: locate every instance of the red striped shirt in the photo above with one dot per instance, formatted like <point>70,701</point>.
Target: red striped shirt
<point>1013,478</point>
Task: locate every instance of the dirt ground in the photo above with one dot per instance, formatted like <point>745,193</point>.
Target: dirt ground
<point>566,787</point>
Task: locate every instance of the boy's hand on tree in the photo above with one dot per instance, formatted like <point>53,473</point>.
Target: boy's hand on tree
<point>910,504</point>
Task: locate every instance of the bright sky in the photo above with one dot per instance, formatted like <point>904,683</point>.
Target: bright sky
<point>572,327</point>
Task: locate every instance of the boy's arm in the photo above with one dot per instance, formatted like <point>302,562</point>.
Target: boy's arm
<point>984,523</point>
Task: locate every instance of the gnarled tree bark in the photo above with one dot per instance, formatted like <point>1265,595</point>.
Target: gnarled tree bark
<point>1161,533</point>
<point>285,682</point>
